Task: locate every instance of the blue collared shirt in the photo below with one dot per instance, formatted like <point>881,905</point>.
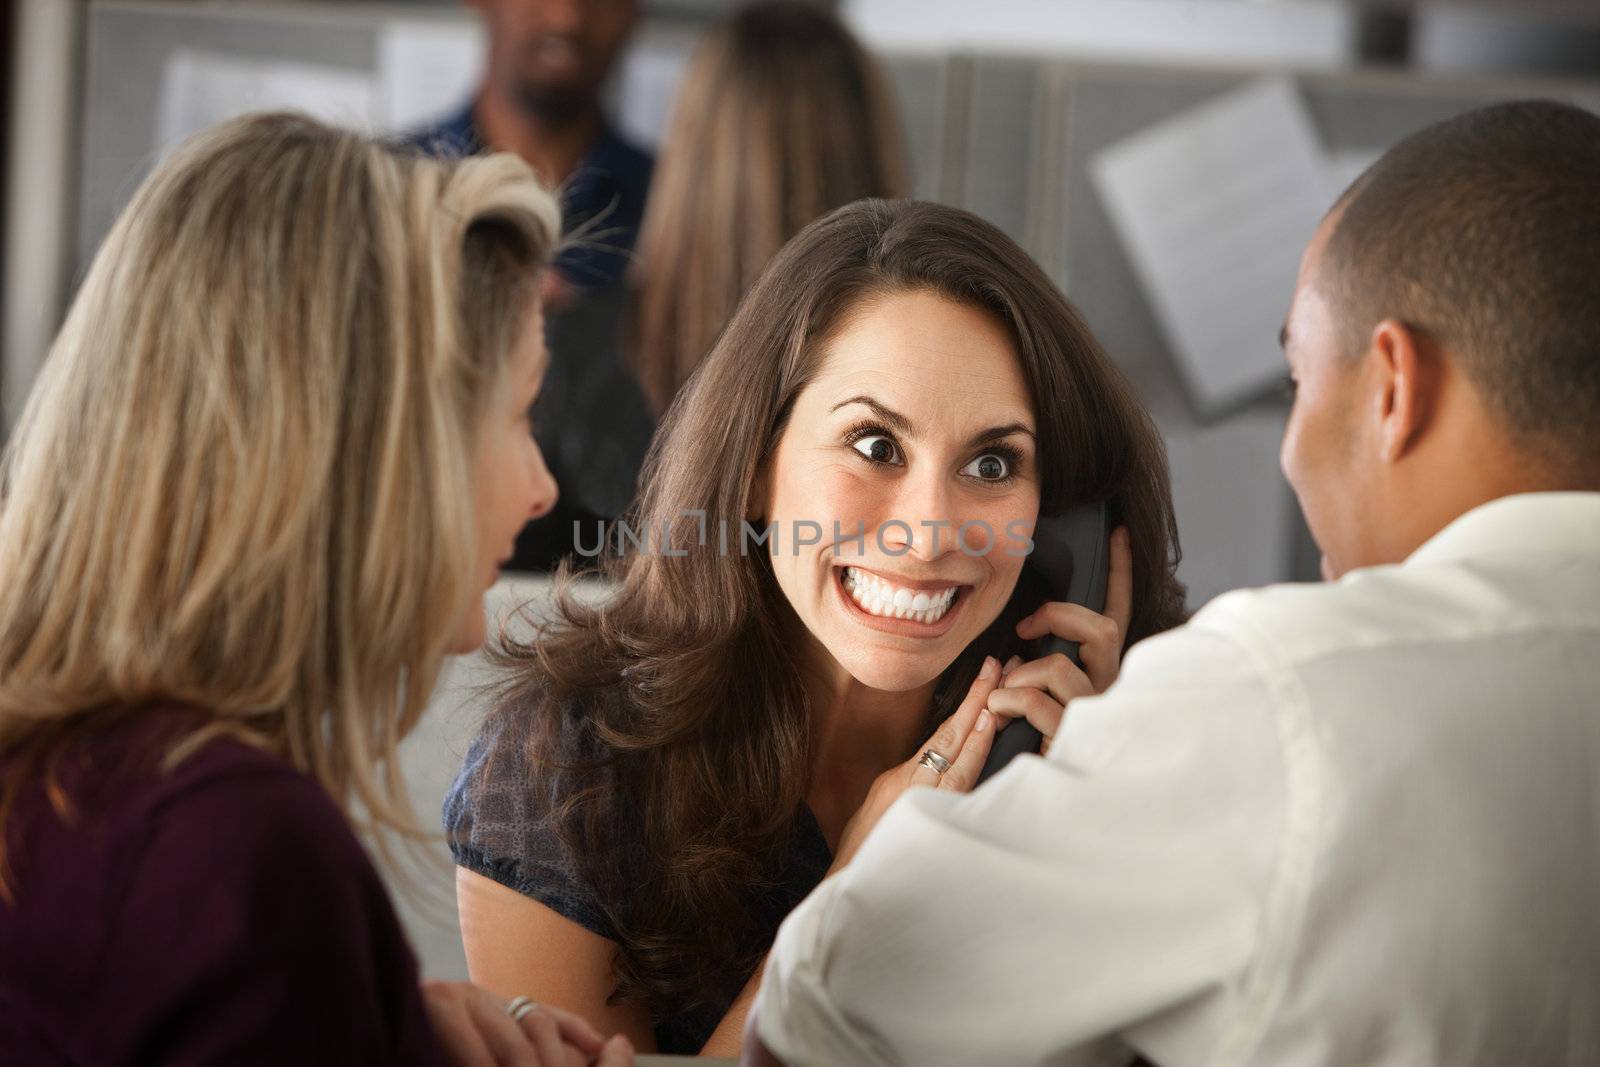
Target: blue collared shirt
<point>602,203</point>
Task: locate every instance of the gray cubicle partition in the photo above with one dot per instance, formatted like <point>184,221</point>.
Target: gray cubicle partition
<point>132,46</point>
<point>1012,139</point>
<point>1008,137</point>
<point>129,48</point>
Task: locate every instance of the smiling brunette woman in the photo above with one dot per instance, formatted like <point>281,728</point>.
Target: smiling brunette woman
<point>670,772</point>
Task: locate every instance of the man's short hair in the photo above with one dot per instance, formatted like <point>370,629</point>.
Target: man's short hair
<point>1483,233</point>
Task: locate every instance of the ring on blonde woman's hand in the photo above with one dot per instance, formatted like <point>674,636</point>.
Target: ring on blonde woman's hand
<point>519,1006</point>
<point>932,759</point>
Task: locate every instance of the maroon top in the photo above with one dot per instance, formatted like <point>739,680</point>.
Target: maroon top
<point>220,913</point>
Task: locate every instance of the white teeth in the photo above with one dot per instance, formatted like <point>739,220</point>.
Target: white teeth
<point>880,598</point>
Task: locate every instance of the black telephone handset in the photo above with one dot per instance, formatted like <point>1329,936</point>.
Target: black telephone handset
<point>1072,553</point>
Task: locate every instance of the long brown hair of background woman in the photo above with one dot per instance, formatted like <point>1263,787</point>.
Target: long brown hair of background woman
<point>687,679</point>
<point>782,118</point>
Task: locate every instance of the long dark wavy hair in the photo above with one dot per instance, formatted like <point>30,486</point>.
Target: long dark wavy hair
<point>685,680</point>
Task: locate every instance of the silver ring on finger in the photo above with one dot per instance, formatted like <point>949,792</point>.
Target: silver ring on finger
<point>933,761</point>
<point>517,1007</point>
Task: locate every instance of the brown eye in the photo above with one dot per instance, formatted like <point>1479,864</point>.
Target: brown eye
<point>989,467</point>
<point>877,449</point>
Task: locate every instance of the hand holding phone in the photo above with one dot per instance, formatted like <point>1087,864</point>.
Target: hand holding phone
<point>1088,570</point>
<point>962,741</point>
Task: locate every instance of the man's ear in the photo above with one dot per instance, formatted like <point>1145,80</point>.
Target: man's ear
<point>1408,368</point>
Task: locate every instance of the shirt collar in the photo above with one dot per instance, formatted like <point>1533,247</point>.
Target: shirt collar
<point>460,128</point>
<point>459,132</point>
<point>1544,524</point>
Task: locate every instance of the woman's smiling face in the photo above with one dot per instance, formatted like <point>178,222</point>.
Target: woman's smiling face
<point>917,426</point>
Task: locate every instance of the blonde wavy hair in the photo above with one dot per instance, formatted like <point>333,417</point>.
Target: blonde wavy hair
<point>244,480</point>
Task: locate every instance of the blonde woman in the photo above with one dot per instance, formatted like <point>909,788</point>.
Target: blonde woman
<point>270,467</point>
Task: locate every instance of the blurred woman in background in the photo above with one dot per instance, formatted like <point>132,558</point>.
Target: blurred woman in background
<point>274,459</point>
<point>782,117</point>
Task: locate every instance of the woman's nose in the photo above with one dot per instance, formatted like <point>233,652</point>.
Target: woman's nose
<point>545,492</point>
<point>922,523</point>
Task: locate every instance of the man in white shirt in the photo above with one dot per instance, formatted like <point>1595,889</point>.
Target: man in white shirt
<point>1347,823</point>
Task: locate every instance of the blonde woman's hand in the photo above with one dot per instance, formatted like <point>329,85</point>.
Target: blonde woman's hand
<point>474,1029</point>
<point>1039,690</point>
<point>963,740</point>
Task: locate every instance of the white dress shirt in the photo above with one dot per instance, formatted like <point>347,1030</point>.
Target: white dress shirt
<point>1354,823</point>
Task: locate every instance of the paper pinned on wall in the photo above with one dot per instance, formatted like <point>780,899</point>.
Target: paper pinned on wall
<point>200,89</point>
<point>427,68</point>
<point>1214,207</point>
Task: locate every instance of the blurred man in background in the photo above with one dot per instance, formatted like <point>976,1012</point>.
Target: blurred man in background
<point>548,63</point>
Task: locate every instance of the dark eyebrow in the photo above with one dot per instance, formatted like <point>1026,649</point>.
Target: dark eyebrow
<point>994,433</point>
<point>1283,336</point>
<point>896,421</point>
<point>900,424</point>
